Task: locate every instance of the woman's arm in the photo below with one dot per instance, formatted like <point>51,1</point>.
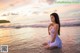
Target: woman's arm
<point>55,32</point>
<point>49,28</point>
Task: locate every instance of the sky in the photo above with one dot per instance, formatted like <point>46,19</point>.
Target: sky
<point>70,0</point>
<point>12,3</point>
<point>37,8</point>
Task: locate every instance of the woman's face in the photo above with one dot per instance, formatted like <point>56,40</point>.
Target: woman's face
<point>52,18</point>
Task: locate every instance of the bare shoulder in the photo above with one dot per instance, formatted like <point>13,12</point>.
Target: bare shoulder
<point>56,26</point>
<point>50,24</point>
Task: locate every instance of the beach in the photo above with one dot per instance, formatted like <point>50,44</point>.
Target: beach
<point>30,40</point>
<point>24,25</point>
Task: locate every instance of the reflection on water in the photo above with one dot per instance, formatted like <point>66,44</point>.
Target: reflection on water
<point>5,36</point>
<point>31,39</point>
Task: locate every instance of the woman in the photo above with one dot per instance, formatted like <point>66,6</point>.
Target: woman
<point>54,31</point>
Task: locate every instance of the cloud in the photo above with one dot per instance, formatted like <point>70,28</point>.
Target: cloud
<point>12,3</point>
<point>50,1</point>
<point>4,1</point>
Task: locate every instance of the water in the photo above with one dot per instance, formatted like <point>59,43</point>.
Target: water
<point>30,39</point>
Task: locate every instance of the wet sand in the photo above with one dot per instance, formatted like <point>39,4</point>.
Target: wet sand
<point>29,40</point>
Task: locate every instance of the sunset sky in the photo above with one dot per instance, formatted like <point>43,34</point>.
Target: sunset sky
<point>37,8</point>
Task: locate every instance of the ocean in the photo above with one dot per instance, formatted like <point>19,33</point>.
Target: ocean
<point>30,39</point>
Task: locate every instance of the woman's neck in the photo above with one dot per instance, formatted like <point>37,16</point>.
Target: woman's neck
<point>53,23</point>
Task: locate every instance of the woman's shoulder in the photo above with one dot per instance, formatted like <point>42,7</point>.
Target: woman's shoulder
<point>56,25</point>
<point>51,24</point>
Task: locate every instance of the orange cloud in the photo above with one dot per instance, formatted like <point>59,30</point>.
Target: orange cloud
<point>12,3</point>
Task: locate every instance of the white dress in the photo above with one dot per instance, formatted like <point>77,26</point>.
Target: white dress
<point>57,41</point>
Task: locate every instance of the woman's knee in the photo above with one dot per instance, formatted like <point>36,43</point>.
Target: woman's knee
<point>45,43</point>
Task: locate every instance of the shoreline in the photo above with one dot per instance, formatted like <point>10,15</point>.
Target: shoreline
<point>32,26</point>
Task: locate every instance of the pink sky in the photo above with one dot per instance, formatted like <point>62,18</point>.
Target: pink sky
<point>32,7</point>
<point>8,3</point>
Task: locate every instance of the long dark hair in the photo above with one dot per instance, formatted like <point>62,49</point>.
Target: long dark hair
<point>56,20</point>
